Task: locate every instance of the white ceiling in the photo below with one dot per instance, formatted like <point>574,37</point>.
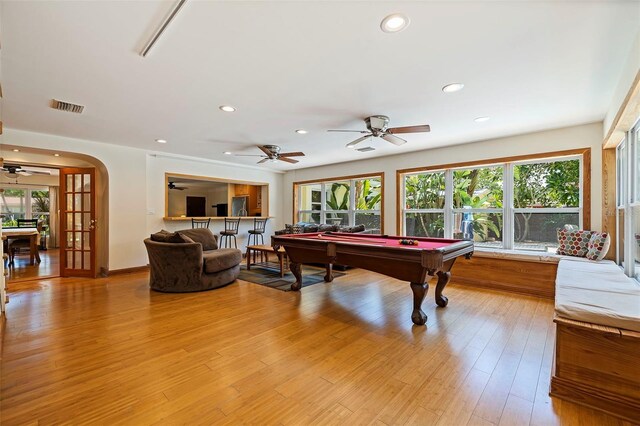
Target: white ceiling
<point>308,64</point>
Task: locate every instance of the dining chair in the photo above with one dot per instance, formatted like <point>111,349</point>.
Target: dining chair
<point>27,223</point>
<point>200,223</point>
<point>259,225</point>
<point>17,244</point>
<point>230,230</point>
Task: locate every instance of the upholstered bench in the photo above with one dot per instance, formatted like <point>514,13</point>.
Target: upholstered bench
<point>597,354</point>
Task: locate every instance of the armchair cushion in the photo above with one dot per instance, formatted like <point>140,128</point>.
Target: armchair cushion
<point>221,259</point>
<point>168,237</point>
<point>203,236</point>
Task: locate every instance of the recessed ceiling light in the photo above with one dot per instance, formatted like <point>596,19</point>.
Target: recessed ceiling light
<point>16,150</point>
<point>56,155</point>
<point>227,108</point>
<point>482,119</point>
<point>301,132</point>
<point>453,87</point>
<point>226,153</point>
<point>394,23</point>
<point>161,140</point>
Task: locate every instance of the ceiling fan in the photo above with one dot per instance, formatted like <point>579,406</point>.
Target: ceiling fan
<point>378,127</point>
<point>272,153</point>
<point>172,185</point>
<point>15,171</point>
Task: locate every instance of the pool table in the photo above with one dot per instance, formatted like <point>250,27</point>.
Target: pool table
<point>384,254</point>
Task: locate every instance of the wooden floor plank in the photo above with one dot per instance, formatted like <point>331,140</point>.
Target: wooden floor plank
<point>109,351</point>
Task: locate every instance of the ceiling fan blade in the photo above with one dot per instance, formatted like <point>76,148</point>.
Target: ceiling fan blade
<point>393,139</point>
<point>36,172</point>
<point>357,141</point>
<point>181,188</point>
<point>264,160</point>
<point>288,160</point>
<point>292,154</point>
<point>409,129</point>
<point>23,172</point>
<point>354,131</point>
<point>265,150</point>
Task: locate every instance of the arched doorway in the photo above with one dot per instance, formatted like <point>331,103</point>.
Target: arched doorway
<point>39,159</point>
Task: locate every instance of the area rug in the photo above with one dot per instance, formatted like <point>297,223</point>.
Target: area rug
<point>271,277</point>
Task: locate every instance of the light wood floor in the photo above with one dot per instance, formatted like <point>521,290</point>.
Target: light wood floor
<point>49,266</point>
<point>109,351</point>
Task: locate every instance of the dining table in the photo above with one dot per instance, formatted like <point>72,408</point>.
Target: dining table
<point>32,234</point>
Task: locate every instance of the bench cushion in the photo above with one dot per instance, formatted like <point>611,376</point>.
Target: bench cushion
<point>597,293</point>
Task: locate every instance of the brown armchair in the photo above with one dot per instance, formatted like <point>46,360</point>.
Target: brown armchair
<point>190,260</point>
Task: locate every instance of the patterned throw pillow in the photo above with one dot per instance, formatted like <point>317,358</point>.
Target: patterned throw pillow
<point>598,246</point>
<point>297,229</point>
<point>288,229</point>
<point>573,243</point>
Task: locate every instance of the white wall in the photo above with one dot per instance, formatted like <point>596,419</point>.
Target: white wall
<point>136,188</point>
<point>627,76</point>
<point>589,135</point>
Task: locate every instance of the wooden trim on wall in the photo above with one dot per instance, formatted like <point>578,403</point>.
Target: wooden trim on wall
<point>625,117</point>
<point>500,160</point>
<point>586,177</point>
<point>128,270</point>
<point>379,175</point>
<point>609,203</point>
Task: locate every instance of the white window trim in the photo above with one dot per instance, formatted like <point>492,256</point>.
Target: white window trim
<point>508,211</point>
<point>627,198</point>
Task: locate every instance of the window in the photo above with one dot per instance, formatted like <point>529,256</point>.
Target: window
<point>424,204</point>
<point>24,203</point>
<point>342,201</point>
<point>516,204</point>
<point>628,202</point>
<point>477,205</point>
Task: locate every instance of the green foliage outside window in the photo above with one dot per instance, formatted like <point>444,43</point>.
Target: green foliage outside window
<point>552,185</point>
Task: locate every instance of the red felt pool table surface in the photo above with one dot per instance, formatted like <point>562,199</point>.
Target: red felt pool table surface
<point>377,240</point>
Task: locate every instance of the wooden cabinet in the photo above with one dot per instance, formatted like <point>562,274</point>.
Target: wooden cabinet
<point>241,189</point>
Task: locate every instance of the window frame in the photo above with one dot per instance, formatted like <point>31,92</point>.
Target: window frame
<point>352,211</point>
<point>628,199</point>
<point>508,210</point>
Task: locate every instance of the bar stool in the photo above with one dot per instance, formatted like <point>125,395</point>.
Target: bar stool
<point>200,223</point>
<point>259,225</point>
<point>230,230</point>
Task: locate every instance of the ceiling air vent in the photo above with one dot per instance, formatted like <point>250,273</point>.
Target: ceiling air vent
<point>66,106</point>
<point>366,149</point>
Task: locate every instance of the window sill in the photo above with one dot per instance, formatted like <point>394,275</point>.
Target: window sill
<point>518,255</point>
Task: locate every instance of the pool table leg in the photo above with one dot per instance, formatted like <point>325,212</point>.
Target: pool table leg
<point>443,280</point>
<point>296,270</point>
<point>329,275</point>
<point>419,292</point>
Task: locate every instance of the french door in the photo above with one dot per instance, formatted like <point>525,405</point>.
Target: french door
<point>78,222</point>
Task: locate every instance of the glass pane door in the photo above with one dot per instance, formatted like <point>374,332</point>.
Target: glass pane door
<point>78,222</point>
